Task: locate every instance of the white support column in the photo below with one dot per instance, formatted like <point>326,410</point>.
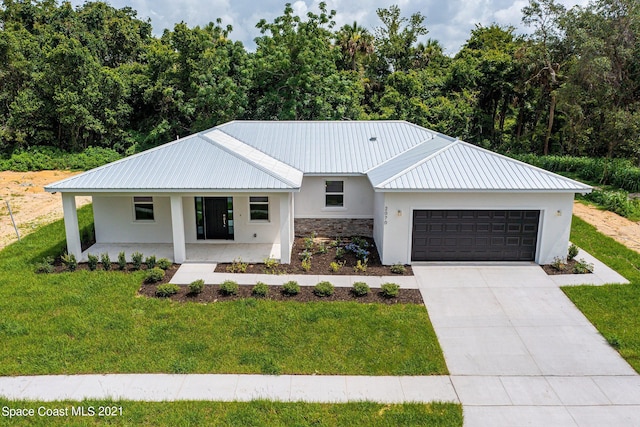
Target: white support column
<point>285,228</point>
<point>177,227</point>
<point>71,225</point>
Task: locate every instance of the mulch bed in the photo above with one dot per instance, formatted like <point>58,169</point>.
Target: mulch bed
<point>320,263</point>
<point>211,293</point>
<point>59,267</point>
<point>570,264</point>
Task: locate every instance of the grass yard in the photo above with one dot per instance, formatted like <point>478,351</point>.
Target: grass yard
<point>613,309</point>
<point>256,413</point>
<point>94,322</point>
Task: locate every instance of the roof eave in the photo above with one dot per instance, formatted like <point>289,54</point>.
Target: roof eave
<point>480,190</point>
<point>171,190</point>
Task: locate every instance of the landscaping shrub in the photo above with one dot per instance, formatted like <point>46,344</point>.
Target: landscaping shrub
<point>360,267</point>
<point>340,253</point>
<point>291,288</point>
<point>582,267</point>
<point>305,255</point>
<point>44,266</point>
<point>306,264</point>
<point>122,261</point>
<point>136,260</point>
<point>336,266</point>
<point>164,263</point>
<point>308,243</point>
<point>150,261</point>
<point>360,289</point>
<point>196,287</point>
<point>229,287</point>
<point>572,252</point>
<point>559,264</point>
<point>260,290</point>
<point>237,266</point>
<point>270,263</point>
<point>324,289</point>
<point>69,261</point>
<point>105,261</point>
<point>390,290</point>
<point>322,248</point>
<point>154,275</point>
<point>92,262</point>
<point>167,289</point>
<point>398,268</point>
<point>615,201</point>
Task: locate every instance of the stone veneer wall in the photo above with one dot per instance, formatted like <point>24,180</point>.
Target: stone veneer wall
<point>331,227</point>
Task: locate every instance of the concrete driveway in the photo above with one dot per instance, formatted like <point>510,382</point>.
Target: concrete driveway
<point>520,353</point>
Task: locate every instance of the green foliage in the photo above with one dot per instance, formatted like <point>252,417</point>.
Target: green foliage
<point>322,248</point>
<point>69,261</point>
<point>164,263</point>
<point>167,289</point>
<point>305,255</point>
<point>305,264</point>
<point>44,266</point>
<point>582,267</point>
<point>291,288</point>
<point>336,266</point>
<point>122,261</point>
<point>229,287</point>
<point>105,261</point>
<point>615,201</point>
<point>92,261</point>
<point>309,243</point>
<point>390,290</point>
<point>340,252</point>
<point>360,267</point>
<point>559,264</point>
<point>398,268</point>
<point>196,287</point>
<point>150,261</point>
<point>136,260</point>
<point>324,289</point>
<point>270,264</point>
<point>154,275</point>
<point>237,266</point>
<point>360,289</point>
<point>260,290</point>
<point>572,252</point>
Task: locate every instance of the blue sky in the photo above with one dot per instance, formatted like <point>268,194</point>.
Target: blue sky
<point>448,21</point>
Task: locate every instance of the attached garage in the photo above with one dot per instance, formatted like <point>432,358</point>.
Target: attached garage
<point>474,235</point>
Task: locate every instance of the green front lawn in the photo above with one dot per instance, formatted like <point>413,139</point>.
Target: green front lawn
<point>94,322</point>
<point>613,309</point>
<point>257,413</point>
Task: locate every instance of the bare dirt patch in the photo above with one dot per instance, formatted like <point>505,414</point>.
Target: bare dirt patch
<point>610,224</point>
<point>32,207</point>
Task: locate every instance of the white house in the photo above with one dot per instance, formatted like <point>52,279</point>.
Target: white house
<point>421,195</point>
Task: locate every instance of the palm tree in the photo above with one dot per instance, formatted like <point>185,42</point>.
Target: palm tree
<point>356,43</point>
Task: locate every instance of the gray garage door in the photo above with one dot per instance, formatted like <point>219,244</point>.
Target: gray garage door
<point>474,235</point>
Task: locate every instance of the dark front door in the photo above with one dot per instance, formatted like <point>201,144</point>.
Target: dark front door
<point>474,235</point>
<point>216,218</point>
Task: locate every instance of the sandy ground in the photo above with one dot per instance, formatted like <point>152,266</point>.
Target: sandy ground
<point>610,224</point>
<point>31,205</point>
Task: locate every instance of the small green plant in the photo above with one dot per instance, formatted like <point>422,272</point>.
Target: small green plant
<point>306,264</point>
<point>336,266</point>
<point>164,263</point>
<point>360,289</point>
<point>69,261</point>
<point>45,266</point>
<point>167,289</point>
<point>291,288</point>
<point>260,290</point>
<point>229,287</point>
<point>305,255</point>
<point>150,261</point>
<point>308,243</point>
<point>582,267</point>
<point>196,287</point>
<point>105,261</point>
<point>333,244</point>
<point>390,290</point>
<point>398,269</point>
<point>122,261</point>
<point>340,252</point>
<point>572,252</point>
<point>237,266</point>
<point>322,248</point>
<point>154,275</point>
<point>92,262</point>
<point>360,267</point>
<point>324,289</point>
<point>559,264</point>
<point>136,260</point>
<point>270,263</point>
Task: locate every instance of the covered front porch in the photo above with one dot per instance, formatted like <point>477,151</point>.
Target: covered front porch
<point>195,252</point>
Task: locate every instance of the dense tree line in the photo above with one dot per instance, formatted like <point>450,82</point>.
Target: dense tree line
<point>94,75</point>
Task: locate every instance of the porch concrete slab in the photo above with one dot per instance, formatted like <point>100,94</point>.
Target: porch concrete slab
<point>606,416</point>
<point>530,391</point>
<point>518,416</point>
<point>309,388</point>
<point>378,389</point>
<point>428,389</point>
<point>578,391</point>
<point>620,390</point>
<point>209,387</point>
<point>464,307</point>
<point>480,390</point>
<point>253,387</point>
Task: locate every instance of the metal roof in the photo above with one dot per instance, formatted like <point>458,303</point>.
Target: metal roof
<point>205,161</point>
<point>460,166</point>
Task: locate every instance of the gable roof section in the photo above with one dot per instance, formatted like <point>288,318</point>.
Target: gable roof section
<point>205,161</point>
<point>460,166</point>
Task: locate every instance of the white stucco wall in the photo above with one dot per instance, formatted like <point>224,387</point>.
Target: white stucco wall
<point>553,234</point>
<point>358,198</point>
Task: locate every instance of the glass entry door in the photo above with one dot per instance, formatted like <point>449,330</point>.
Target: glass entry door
<point>214,217</point>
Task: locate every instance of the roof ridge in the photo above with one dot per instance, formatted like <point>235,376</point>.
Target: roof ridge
<point>247,160</point>
<point>398,155</point>
<point>421,162</point>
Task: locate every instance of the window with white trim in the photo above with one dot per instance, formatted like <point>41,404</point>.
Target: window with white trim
<point>259,208</point>
<point>334,194</point>
<point>143,208</point>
